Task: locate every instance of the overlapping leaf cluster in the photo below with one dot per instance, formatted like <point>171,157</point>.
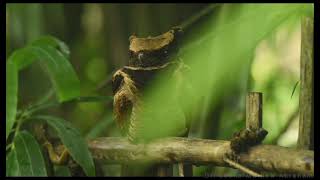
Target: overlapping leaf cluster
<point>24,157</point>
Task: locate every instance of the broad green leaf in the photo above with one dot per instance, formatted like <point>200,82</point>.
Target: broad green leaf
<point>27,57</point>
<point>54,42</point>
<point>60,171</point>
<point>22,58</point>
<point>11,95</point>
<point>12,168</point>
<point>61,73</point>
<point>73,141</point>
<point>29,156</point>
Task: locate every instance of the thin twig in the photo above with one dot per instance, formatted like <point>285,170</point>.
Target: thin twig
<point>196,17</point>
<point>241,168</point>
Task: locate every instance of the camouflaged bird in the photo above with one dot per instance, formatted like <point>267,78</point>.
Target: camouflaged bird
<point>148,58</point>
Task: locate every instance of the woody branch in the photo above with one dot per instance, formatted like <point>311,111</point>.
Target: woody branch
<point>200,152</point>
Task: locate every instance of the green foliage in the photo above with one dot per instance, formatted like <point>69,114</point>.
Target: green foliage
<point>11,95</point>
<point>54,42</point>
<point>220,53</point>
<point>26,158</point>
<point>219,50</point>
<point>70,137</point>
<point>24,155</point>
<point>12,168</point>
<point>53,56</point>
<point>58,67</point>
<point>224,40</point>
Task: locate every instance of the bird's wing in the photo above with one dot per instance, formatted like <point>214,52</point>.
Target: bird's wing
<point>122,111</point>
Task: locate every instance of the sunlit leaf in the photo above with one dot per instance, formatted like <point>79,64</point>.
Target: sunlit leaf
<point>29,157</point>
<point>73,141</point>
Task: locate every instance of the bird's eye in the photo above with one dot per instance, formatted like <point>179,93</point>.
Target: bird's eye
<point>165,52</point>
<point>140,56</point>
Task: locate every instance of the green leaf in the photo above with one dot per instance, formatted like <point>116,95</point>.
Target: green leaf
<point>12,168</point>
<point>54,42</point>
<point>22,58</point>
<point>61,73</point>
<point>60,171</point>
<point>29,156</point>
<point>11,95</point>
<point>73,141</point>
<point>27,57</point>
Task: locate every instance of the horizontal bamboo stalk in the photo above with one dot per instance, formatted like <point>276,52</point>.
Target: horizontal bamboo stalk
<point>270,158</point>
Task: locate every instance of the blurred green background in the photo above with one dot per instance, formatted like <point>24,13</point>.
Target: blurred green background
<point>234,50</point>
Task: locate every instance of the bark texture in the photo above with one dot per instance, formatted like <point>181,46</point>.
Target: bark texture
<point>200,152</point>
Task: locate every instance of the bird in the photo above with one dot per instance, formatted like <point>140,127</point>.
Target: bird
<point>138,118</point>
<point>149,57</point>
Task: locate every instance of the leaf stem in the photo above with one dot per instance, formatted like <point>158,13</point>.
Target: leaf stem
<point>19,122</point>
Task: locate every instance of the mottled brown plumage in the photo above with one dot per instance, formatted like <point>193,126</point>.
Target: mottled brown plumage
<point>126,102</point>
<point>148,57</point>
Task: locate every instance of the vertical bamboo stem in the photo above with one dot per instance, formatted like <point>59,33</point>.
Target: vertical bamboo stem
<point>254,111</point>
<point>306,134</point>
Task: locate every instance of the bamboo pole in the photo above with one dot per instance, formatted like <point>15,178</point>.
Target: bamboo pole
<point>254,111</point>
<point>306,133</point>
<point>201,152</point>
